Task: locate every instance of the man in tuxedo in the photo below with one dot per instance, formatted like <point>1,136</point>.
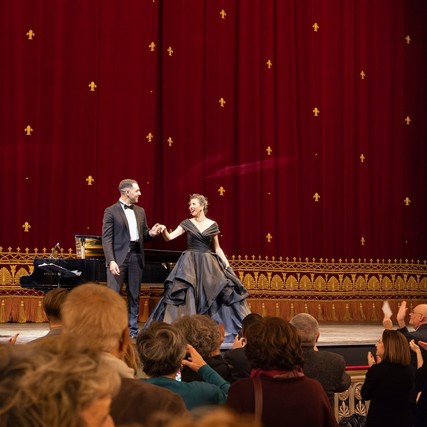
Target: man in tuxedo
<point>124,231</point>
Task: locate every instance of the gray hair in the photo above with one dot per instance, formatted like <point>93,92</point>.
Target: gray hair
<point>307,327</point>
<point>201,331</point>
<point>161,349</point>
<point>95,316</point>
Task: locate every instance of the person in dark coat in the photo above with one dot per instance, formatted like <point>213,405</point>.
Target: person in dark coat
<point>236,358</point>
<point>278,393</point>
<point>325,366</point>
<point>388,382</point>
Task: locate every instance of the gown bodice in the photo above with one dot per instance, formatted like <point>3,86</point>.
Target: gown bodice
<point>199,241</point>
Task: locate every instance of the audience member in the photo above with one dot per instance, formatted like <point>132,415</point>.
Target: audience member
<point>325,366</point>
<point>278,392</point>
<point>55,384</point>
<point>236,357</point>
<point>417,319</point>
<point>419,401</point>
<point>388,382</point>
<point>96,317</point>
<point>220,417</point>
<point>206,336</point>
<point>162,349</point>
<point>52,306</point>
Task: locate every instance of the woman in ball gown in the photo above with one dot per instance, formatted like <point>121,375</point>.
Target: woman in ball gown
<point>202,280</point>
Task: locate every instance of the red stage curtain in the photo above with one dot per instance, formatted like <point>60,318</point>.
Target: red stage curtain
<point>302,121</point>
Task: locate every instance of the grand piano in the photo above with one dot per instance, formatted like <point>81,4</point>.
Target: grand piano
<point>90,266</point>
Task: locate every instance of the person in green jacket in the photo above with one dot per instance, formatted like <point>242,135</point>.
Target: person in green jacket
<point>162,349</point>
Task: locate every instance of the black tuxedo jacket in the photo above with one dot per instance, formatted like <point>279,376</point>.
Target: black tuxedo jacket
<point>116,234</point>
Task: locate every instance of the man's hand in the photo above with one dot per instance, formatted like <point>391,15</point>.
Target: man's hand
<point>156,229</point>
<point>114,268</point>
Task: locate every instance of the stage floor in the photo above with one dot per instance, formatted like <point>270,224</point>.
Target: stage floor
<point>331,333</point>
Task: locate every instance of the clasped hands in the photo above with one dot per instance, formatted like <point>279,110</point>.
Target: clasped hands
<point>157,229</point>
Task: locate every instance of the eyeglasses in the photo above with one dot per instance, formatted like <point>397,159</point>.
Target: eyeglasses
<point>414,312</point>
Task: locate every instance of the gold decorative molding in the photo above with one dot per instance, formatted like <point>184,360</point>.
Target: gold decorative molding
<point>330,290</point>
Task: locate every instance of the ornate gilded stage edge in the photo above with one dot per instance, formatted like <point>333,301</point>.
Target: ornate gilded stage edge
<point>331,290</point>
<point>331,278</point>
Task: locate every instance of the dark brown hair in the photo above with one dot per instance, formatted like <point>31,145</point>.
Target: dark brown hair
<point>396,348</point>
<point>273,343</point>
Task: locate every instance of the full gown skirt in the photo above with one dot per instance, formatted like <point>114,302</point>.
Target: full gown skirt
<point>200,284</point>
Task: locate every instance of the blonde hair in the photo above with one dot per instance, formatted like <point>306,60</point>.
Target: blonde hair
<point>201,199</point>
<point>218,417</point>
<point>50,384</point>
<point>95,316</point>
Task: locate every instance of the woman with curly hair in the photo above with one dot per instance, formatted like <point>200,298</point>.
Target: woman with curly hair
<point>206,336</point>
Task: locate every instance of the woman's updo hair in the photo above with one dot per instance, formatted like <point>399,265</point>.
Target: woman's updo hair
<point>202,200</point>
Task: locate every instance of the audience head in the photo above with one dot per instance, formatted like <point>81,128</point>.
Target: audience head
<point>96,317</point>
<point>52,304</point>
<point>273,343</point>
<point>248,320</point>
<point>201,331</point>
<point>220,417</point>
<point>418,316</point>
<point>307,327</point>
<point>394,348</point>
<point>161,349</point>
<point>55,384</point>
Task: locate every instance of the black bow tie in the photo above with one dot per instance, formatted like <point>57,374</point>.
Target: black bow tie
<point>128,206</point>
